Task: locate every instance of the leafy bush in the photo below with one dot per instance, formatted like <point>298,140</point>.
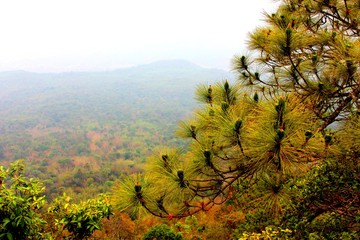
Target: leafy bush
<point>162,232</point>
<point>82,219</point>
<point>21,200</point>
<point>268,234</point>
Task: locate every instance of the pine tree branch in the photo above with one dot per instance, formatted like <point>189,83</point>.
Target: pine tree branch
<point>339,109</point>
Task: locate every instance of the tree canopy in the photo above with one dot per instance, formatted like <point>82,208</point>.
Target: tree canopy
<point>280,138</point>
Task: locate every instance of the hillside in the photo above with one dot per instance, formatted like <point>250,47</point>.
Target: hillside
<point>83,129</point>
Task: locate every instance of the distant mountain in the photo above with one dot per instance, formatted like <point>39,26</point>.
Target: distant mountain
<point>171,82</point>
<point>177,64</point>
<point>96,118</point>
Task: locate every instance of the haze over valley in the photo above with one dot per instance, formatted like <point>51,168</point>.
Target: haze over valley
<point>82,129</point>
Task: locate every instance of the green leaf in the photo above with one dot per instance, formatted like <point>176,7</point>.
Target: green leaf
<point>9,236</point>
<point>5,222</point>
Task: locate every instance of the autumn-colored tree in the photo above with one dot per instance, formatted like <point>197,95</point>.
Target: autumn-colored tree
<point>118,226</point>
<point>292,110</point>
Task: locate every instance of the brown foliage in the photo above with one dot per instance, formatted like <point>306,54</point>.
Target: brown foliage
<point>119,226</point>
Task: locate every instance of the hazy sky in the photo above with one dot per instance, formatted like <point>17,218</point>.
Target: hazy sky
<point>75,35</point>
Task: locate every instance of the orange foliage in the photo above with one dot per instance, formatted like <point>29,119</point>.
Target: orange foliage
<point>118,226</point>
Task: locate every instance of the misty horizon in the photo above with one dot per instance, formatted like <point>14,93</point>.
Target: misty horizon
<point>164,62</point>
<point>42,36</point>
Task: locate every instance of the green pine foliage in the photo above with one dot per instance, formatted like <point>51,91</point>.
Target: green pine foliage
<point>277,149</point>
<point>282,141</point>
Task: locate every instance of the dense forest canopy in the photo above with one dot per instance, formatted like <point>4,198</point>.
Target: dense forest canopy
<point>94,125</point>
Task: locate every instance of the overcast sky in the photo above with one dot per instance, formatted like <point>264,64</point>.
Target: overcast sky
<point>78,35</point>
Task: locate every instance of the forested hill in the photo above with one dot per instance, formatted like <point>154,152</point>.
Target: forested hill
<point>159,88</point>
<point>106,122</point>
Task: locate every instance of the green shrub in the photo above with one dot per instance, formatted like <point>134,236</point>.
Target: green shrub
<point>162,232</point>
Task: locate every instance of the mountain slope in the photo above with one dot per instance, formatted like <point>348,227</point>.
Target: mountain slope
<point>102,122</point>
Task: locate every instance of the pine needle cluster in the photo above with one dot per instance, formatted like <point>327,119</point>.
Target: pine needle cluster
<point>294,106</point>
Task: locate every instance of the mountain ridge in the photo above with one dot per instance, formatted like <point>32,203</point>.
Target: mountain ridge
<point>169,63</point>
